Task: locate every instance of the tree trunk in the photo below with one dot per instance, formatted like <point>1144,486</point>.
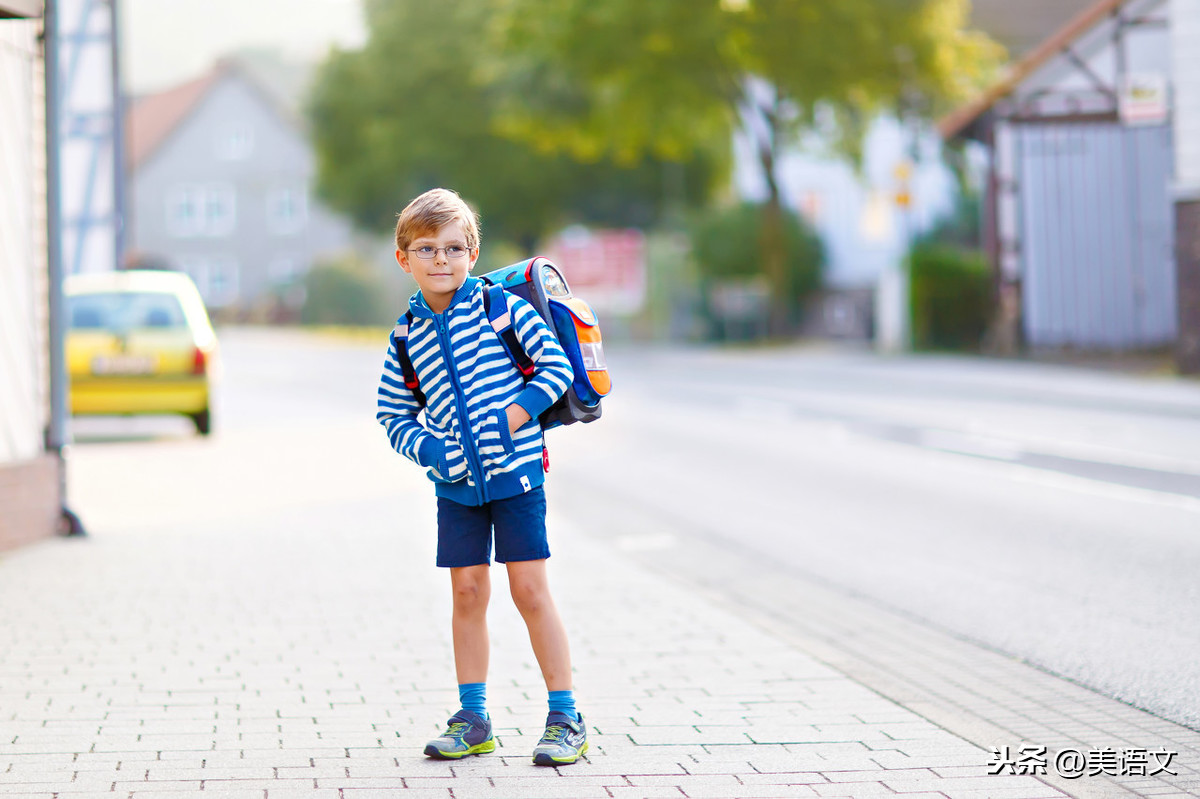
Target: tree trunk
<point>774,244</point>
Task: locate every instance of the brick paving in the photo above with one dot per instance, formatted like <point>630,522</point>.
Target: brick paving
<point>280,631</point>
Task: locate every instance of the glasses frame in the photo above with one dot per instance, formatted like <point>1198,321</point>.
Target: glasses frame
<point>466,251</point>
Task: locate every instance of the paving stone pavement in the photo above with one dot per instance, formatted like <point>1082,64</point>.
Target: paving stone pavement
<point>198,642</point>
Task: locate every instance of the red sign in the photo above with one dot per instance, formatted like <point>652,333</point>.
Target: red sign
<point>605,267</point>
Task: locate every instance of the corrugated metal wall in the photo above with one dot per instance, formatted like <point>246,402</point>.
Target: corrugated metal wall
<point>23,307</point>
<point>1096,236</point>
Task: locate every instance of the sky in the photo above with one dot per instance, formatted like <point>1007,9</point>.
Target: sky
<point>166,42</point>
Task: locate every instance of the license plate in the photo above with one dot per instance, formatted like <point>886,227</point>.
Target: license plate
<point>123,365</point>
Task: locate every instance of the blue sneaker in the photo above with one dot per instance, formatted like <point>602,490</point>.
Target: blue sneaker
<point>563,742</point>
<point>466,734</point>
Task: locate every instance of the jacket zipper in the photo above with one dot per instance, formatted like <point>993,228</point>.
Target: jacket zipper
<point>466,440</point>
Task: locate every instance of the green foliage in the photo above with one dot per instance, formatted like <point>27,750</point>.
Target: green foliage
<point>629,76</point>
<point>951,290</point>
<point>345,292</point>
<point>727,244</point>
<point>412,110</point>
<point>962,227</point>
<point>669,77</point>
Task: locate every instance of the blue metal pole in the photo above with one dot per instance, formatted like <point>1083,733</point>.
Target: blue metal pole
<point>118,142</point>
<point>57,433</point>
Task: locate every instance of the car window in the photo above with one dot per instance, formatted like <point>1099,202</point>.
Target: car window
<point>125,310</point>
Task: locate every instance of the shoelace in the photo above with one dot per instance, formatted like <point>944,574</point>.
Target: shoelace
<point>554,734</point>
<point>457,728</point>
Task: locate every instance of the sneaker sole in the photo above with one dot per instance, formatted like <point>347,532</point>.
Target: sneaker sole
<point>477,749</point>
<point>544,759</point>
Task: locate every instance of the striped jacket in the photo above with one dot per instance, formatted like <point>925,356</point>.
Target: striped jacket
<point>469,379</point>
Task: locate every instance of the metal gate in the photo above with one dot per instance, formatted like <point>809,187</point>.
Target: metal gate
<point>1096,235</point>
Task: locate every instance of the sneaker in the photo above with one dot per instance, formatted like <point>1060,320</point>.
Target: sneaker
<point>467,734</point>
<point>563,742</point>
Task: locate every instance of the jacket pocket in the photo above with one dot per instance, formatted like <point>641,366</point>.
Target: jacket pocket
<point>496,446</point>
<point>451,464</point>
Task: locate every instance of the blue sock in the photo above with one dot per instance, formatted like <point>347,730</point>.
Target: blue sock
<point>473,696</point>
<point>564,702</point>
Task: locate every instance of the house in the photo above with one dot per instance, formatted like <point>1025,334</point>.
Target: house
<point>30,468</point>
<point>220,183</point>
<point>1091,138</point>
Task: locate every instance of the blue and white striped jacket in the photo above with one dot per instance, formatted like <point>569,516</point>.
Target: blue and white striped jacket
<point>468,380</point>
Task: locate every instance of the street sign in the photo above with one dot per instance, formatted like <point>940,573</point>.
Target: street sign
<point>1142,99</point>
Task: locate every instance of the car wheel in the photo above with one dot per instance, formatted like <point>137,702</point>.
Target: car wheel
<point>203,421</point>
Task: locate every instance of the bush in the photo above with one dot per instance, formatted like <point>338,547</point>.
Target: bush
<point>951,290</point>
<point>345,292</point>
<point>727,246</point>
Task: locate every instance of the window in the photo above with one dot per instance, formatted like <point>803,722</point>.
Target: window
<point>216,276</point>
<point>235,143</point>
<point>183,211</point>
<point>220,210</point>
<point>124,310</point>
<point>208,209</point>
<point>223,280</point>
<point>287,210</point>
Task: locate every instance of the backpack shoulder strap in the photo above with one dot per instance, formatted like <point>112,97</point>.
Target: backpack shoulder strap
<point>496,306</point>
<point>400,340</point>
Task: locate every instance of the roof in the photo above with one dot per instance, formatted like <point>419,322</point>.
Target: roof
<point>1021,25</point>
<point>152,118</point>
<point>957,120</point>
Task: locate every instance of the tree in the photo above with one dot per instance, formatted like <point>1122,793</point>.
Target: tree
<point>725,242</point>
<point>626,77</point>
<point>410,111</point>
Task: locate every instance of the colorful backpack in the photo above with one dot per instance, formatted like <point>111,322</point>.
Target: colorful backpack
<point>540,283</point>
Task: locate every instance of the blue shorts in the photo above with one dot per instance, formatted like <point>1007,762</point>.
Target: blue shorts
<point>465,531</point>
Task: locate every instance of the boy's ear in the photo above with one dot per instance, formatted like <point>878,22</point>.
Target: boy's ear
<point>402,259</point>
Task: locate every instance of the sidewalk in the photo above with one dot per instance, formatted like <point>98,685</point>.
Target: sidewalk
<point>245,647</point>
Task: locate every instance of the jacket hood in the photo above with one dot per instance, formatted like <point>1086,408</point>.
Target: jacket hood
<point>420,310</point>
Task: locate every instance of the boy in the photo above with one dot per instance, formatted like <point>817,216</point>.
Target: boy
<point>482,445</point>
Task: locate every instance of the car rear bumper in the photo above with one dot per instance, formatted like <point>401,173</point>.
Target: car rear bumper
<point>134,395</point>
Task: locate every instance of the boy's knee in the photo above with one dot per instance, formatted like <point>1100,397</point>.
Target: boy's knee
<point>530,596</point>
<point>469,594</point>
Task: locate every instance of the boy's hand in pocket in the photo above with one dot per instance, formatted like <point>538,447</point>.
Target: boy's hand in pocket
<point>517,416</point>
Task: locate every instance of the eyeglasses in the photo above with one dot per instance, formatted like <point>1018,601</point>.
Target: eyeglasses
<point>428,253</point>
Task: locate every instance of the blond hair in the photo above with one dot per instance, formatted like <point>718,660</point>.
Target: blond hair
<point>431,212</point>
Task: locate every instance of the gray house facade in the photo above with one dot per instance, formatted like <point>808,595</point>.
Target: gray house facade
<point>220,177</point>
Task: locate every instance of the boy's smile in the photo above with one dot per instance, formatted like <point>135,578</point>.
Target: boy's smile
<point>441,276</point>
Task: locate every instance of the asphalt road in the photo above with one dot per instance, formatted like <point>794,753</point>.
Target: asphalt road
<point>1045,512</point>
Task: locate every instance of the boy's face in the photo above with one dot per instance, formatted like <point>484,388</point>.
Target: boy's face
<point>441,275</point>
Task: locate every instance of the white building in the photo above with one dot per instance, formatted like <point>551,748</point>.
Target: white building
<point>30,500</point>
<point>862,217</point>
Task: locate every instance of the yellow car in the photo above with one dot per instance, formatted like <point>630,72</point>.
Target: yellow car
<point>140,342</point>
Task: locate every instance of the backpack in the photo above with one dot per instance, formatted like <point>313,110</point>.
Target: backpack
<point>572,321</point>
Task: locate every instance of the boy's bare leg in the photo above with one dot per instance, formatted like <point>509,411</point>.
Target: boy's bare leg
<point>472,587</point>
<point>531,594</point>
